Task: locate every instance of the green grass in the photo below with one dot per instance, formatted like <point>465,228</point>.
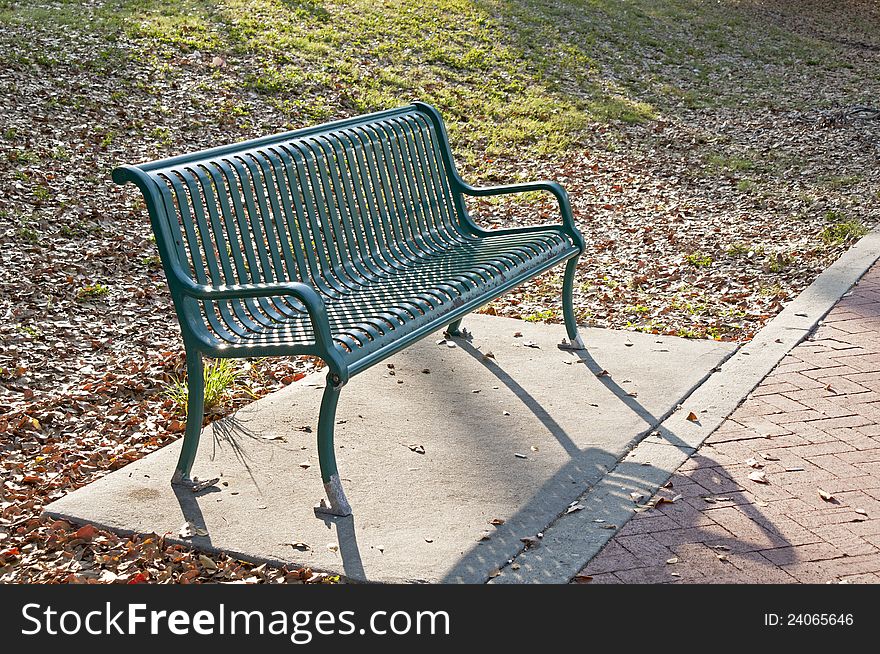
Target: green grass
<point>221,377</point>
<point>525,76</point>
<point>725,163</point>
<point>698,259</point>
<point>28,235</point>
<point>92,292</point>
<point>746,186</point>
<point>843,230</point>
<point>777,262</point>
<point>540,316</point>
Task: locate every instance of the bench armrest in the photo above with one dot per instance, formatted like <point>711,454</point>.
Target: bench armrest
<point>552,187</point>
<point>302,292</point>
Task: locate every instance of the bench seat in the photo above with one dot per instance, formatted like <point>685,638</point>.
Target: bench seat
<point>366,318</point>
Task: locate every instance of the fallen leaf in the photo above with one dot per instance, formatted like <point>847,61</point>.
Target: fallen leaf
<point>87,532</point>
<point>207,563</point>
<point>582,579</point>
<point>754,463</point>
<point>693,417</point>
<point>825,495</point>
<point>418,449</point>
<point>496,521</point>
<point>759,476</point>
<point>202,485</point>
<point>672,561</point>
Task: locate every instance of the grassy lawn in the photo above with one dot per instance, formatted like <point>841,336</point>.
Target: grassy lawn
<point>521,76</point>
<point>698,141</point>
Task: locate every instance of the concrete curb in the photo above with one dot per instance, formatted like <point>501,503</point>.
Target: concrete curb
<point>574,538</point>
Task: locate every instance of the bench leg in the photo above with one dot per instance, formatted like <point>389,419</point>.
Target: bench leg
<point>195,413</point>
<point>568,305</point>
<point>326,455</point>
<point>454,328</point>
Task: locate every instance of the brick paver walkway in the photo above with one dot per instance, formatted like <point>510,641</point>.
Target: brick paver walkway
<point>813,423</point>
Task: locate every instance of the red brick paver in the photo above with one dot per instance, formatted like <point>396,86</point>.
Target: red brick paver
<point>813,423</point>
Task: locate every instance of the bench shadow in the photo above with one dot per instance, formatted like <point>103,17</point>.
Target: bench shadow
<point>586,469</point>
<point>346,538</point>
<point>192,513</point>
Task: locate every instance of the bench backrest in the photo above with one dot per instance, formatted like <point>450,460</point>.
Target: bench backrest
<point>311,205</point>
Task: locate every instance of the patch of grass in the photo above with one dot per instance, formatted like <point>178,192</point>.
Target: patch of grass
<point>92,292</point>
<point>726,163</point>
<point>849,230</point>
<point>742,250</point>
<point>698,259</point>
<point>29,330</point>
<point>841,229</point>
<point>221,377</point>
<point>770,290</point>
<point>152,262</point>
<point>838,182</point>
<point>28,235</point>
<point>60,153</point>
<point>23,156</point>
<point>42,193</point>
<point>746,186</point>
<point>777,262</point>
<point>540,316</point>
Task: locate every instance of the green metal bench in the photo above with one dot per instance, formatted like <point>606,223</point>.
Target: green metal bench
<point>348,241</point>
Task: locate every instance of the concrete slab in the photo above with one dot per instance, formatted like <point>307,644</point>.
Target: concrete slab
<point>418,517</point>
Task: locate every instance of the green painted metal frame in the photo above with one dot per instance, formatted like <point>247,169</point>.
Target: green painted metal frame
<point>281,210</point>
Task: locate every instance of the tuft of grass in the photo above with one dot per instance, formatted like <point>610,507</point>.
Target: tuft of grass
<point>740,250</point>
<point>221,377</point>
<point>28,235</point>
<point>778,262</point>
<point>540,316</point>
<point>92,292</point>
<point>698,259</point>
<point>746,186</point>
<point>722,162</point>
<point>841,229</point>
